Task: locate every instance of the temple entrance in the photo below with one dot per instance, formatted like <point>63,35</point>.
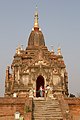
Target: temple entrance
<point>39,83</point>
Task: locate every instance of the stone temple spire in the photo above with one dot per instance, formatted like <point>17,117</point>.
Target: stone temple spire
<point>36,25</point>
<point>36,38</point>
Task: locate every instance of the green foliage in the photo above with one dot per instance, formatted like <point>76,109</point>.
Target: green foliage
<point>27,109</point>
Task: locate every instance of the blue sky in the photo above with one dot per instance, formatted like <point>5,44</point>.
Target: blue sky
<point>60,24</point>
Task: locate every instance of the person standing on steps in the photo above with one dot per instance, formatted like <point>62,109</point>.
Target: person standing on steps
<point>46,90</point>
<point>41,91</point>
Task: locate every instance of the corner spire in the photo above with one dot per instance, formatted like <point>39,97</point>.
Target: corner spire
<point>59,51</point>
<point>36,25</point>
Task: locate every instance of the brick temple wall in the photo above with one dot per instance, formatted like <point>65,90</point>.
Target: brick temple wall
<point>74,107</point>
<point>8,107</point>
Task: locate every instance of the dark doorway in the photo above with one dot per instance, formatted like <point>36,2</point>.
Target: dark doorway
<point>39,82</point>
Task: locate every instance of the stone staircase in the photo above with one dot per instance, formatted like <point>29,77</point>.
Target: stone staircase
<point>46,109</point>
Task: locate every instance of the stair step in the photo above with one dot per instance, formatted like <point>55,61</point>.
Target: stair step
<point>60,118</point>
<point>46,110</point>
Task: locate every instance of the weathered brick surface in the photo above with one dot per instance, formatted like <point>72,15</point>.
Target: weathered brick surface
<point>74,107</point>
<point>8,106</point>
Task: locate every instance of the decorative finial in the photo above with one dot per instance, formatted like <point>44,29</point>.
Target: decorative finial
<point>52,48</point>
<point>36,25</point>
<point>59,51</point>
<point>18,49</point>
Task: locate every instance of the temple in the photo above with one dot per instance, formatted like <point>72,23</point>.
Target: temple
<point>36,66</point>
<point>36,83</point>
